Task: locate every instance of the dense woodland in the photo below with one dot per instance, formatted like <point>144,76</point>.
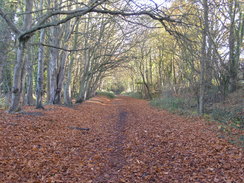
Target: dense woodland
<point>54,51</point>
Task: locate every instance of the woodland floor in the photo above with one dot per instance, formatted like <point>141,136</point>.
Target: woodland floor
<point>128,141</point>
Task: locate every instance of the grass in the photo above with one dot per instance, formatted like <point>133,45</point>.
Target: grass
<point>106,94</point>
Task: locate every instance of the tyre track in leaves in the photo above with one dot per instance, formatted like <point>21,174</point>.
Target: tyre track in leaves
<point>117,159</point>
<point>151,145</point>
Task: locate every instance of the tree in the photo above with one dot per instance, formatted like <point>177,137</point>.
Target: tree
<point>39,86</point>
<point>235,39</point>
<point>18,78</point>
<point>204,57</point>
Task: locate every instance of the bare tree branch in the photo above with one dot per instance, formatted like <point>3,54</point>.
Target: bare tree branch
<point>59,48</point>
<point>80,12</point>
<point>9,22</point>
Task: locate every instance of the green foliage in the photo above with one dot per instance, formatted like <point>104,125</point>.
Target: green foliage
<point>133,94</point>
<point>169,103</point>
<point>241,140</point>
<point>232,117</point>
<point>220,115</point>
<point>3,103</point>
<point>231,123</point>
<point>106,94</point>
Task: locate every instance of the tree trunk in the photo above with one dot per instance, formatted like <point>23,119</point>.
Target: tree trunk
<point>60,79</point>
<point>239,37</point>
<point>232,61</point>
<point>17,81</point>
<point>146,85</point>
<point>83,87</point>
<point>209,53</point>
<point>53,72</point>
<point>67,87</point>
<point>53,65</point>
<point>23,79</point>
<point>160,71</point>
<point>2,60</point>
<point>29,65</point>
<point>95,85</point>
<point>39,86</point>
<point>87,66</point>
<point>19,68</point>
<point>67,90</point>
<point>203,60</point>
<point>39,79</point>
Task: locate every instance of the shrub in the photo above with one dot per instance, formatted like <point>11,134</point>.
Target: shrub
<point>169,103</point>
<point>220,115</point>
<point>106,94</point>
<point>233,117</point>
<point>133,95</point>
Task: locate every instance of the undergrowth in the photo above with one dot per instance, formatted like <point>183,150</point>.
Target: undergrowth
<point>133,95</point>
<point>3,103</point>
<point>106,94</point>
<point>231,123</point>
<point>230,119</point>
<point>234,117</point>
<point>175,105</point>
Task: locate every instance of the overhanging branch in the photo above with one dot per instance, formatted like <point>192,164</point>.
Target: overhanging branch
<point>12,26</point>
<point>59,48</point>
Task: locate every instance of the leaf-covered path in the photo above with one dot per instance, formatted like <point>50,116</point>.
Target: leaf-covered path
<point>127,141</point>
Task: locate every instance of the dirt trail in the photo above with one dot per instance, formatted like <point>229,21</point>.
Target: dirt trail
<point>128,141</point>
<point>116,160</point>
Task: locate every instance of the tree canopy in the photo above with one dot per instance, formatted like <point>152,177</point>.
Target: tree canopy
<point>71,49</point>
